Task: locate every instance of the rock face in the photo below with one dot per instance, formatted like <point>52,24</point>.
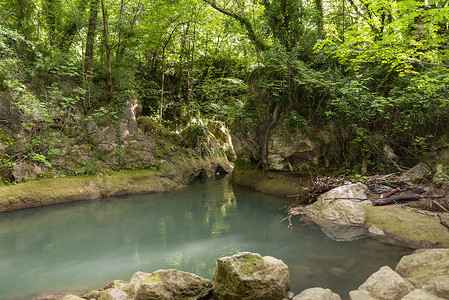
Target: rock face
<point>173,284</point>
<point>294,149</point>
<point>137,149</point>
<point>9,114</point>
<point>317,294</point>
<point>342,205</point>
<point>250,276</point>
<point>27,171</point>
<point>289,149</point>
<point>385,284</point>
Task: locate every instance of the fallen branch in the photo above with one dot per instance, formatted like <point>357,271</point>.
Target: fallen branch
<point>386,195</point>
<point>346,198</point>
<point>440,206</point>
<point>393,199</point>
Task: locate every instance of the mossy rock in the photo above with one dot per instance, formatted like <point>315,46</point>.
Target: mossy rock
<point>422,229</point>
<point>250,276</point>
<point>275,183</point>
<point>173,284</point>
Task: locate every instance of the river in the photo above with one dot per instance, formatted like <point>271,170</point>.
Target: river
<point>84,245</point>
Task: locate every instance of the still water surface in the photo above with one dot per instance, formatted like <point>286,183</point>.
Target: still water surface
<point>85,245</point>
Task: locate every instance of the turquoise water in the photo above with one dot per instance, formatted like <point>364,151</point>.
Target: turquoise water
<point>85,245</point>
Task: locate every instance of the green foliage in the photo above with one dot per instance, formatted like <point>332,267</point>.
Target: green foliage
<point>90,167</point>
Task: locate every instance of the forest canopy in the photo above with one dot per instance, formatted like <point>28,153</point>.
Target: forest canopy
<point>377,69</point>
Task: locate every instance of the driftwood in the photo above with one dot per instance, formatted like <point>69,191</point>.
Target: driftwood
<point>393,199</point>
<point>386,195</point>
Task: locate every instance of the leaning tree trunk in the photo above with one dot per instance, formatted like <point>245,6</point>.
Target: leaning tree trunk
<point>266,132</point>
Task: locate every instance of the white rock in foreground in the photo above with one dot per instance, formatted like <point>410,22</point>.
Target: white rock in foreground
<point>317,294</point>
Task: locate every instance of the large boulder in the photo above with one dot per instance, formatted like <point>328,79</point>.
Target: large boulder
<point>172,285</point>
<point>250,276</point>
<point>342,205</point>
<point>385,284</point>
<point>427,269</point>
<point>317,294</point>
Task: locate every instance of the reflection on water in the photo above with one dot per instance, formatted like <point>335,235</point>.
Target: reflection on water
<point>85,245</point>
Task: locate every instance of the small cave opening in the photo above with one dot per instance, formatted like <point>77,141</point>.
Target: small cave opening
<point>220,172</point>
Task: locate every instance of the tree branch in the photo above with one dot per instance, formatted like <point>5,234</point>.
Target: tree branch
<point>257,41</point>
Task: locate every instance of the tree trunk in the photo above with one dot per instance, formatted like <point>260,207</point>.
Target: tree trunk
<point>51,20</point>
<point>107,48</point>
<point>89,54</point>
<point>319,23</point>
<point>266,132</point>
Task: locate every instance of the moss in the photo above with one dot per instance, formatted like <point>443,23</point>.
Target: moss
<point>250,263</point>
<point>407,225</point>
<point>276,183</point>
<point>60,190</point>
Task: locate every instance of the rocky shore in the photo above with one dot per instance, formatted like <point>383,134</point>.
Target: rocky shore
<point>421,275</point>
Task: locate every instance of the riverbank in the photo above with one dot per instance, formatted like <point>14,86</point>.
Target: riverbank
<point>274,183</point>
<point>412,226</point>
<point>171,175</point>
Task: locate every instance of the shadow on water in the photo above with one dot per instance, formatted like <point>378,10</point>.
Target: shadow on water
<point>84,245</point>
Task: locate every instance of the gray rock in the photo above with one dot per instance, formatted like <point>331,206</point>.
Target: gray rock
<point>375,231</point>
<point>340,232</point>
<point>26,171</point>
<point>245,145</point>
<point>420,295</point>
<point>385,284</point>
<point>317,294</point>
<point>417,172</point>
<point>441,285</point>
<point>360,295</point>
<point>423,268</point>
<point>116,284</point>
<point>342,205</point>
<point>250,276</point>
<point>172,285</point>
<point>113,294</point>
<point>134,282</point>
<point>71,297</point>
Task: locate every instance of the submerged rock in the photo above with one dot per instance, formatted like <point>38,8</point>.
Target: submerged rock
<point>250,276</point>
<point>317,294</point>
<point>173,284</point>
<point>343,205</point>
<point>341,233</point>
